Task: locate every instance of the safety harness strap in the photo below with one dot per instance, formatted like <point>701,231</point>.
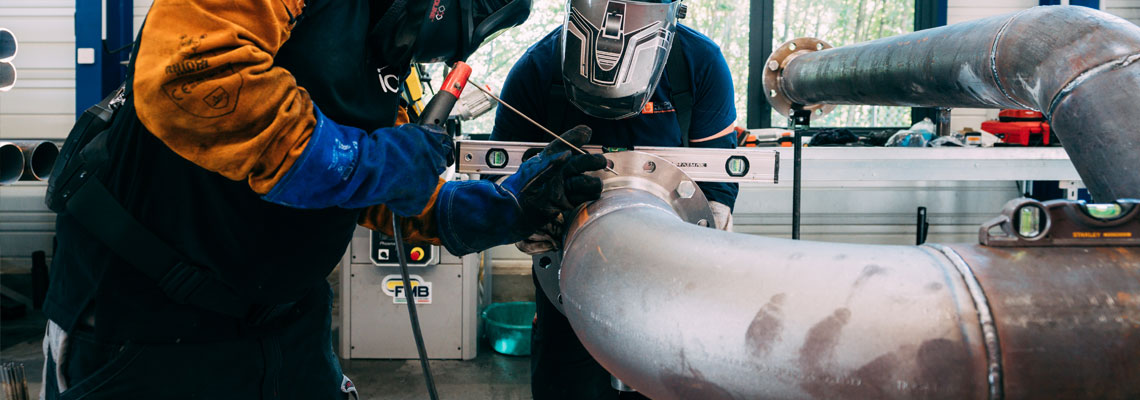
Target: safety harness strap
<point>185,283</point>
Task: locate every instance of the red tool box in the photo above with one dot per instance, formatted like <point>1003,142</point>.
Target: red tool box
<point>1020,127</point>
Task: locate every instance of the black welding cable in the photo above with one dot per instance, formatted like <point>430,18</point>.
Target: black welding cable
<point>410,299</point>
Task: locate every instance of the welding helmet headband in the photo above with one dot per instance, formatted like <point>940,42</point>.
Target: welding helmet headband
<point>613,53</point>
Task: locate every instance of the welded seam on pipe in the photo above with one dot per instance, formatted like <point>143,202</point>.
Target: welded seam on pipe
<point>1085,76</point>
<point>994,64</point>
<point>985,319</point>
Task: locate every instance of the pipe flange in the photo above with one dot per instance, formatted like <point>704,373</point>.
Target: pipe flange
<point>658,176</point>
<point>774,74</point>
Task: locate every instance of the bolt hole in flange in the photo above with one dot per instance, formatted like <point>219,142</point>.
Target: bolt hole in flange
<point>649,167</point>
<point>545,262</point>
<point>773,73</point>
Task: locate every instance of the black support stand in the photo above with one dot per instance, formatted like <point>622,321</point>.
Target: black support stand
<point>798,122</point>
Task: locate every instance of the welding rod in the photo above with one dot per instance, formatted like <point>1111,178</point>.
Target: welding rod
<point>520,113</point>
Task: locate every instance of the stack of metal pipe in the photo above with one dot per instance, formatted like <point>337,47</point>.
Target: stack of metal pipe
<point>14,381</point>
<point>26,160</point>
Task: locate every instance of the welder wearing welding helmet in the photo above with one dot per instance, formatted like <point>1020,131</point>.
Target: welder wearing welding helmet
<point>254,136</point>
<point>631,72</point>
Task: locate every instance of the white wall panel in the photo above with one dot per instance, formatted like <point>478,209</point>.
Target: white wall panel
<point>1127,9</point>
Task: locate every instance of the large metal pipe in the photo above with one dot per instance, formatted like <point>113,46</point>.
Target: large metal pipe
<point>679,311</point>
<point>1074,64</point>
<point>11,163</point>
<point>39,159</point>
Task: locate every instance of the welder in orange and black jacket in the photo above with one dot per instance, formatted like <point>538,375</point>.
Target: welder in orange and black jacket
<point>257,134</point>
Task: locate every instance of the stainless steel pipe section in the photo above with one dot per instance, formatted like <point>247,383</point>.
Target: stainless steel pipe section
<point>679,311</point>
<point>1075,64</point>
<point>39,158</point>
<point>11,163</point>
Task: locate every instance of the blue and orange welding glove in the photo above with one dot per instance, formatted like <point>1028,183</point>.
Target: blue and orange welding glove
<point>348,167</point>
<point>477,215</point>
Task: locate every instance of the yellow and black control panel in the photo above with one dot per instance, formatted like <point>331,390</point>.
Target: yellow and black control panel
<point>383,252</point>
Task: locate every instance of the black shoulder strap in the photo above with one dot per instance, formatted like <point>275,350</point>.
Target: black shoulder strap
<point>681,88</point>
<point>98,211</point>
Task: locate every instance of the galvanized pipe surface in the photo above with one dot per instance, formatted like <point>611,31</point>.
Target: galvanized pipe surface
<point>679,311</point>
<point>686,312</point>
<point>1076,65</point>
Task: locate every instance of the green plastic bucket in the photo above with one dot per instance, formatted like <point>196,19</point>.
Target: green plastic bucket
<point>507,326</point>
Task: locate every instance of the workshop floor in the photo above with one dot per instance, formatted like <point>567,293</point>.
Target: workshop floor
<point>490,376</point>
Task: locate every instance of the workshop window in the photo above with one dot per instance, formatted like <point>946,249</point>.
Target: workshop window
<point>726,23</point>
<point>840,23</point>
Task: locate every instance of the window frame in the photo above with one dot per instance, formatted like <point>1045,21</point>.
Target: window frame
<point>927,14</point>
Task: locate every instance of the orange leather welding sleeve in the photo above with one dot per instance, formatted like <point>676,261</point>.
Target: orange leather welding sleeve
<point>418,229</point>
<point>205,85</point>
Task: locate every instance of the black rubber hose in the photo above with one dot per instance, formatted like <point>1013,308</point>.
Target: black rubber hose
<point>410,300</point>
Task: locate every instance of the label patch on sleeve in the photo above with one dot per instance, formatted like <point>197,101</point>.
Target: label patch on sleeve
<point>208,94</point>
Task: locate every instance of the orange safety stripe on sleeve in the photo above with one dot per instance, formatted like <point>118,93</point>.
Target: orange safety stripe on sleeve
<point>205,85</point>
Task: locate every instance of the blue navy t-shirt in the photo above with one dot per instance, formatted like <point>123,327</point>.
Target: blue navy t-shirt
<point>528,88</point>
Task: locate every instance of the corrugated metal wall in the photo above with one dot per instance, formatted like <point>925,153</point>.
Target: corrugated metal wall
<point>43,102</point>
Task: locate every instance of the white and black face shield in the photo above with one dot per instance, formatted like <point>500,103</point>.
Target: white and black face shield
<point>613,53</point>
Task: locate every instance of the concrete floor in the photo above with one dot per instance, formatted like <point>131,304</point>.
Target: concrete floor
<point>490,376</point>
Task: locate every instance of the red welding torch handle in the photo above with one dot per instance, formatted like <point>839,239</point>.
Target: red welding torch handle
<point>437,110</point>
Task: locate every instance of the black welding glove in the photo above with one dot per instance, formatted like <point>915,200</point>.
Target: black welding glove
<point>553,181</point>
<point>476,215</point>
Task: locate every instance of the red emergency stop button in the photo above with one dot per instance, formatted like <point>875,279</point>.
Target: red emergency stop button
<point>417,254</point>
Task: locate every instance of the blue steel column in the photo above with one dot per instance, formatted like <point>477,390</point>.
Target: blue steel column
<point>1093,4</point>
<point>94,81</point>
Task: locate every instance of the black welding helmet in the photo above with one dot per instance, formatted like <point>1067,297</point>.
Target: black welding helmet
<point>613,53</point>
<point>453,29</point>
<point>430,31</point>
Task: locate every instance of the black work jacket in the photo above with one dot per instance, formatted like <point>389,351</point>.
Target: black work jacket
<point>270,253</point>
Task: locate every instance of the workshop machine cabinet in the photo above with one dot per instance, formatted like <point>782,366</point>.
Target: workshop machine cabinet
<point>374,317</point>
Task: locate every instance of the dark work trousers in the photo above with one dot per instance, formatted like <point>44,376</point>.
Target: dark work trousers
<point>560,367</point>
<point>295,362</point>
